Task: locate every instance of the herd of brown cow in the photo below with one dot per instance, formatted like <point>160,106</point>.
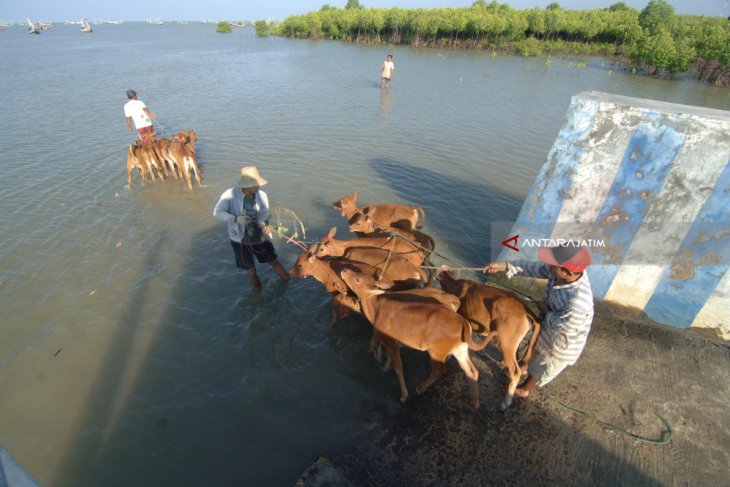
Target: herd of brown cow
<point>161,158</point>
<point>379,274</point>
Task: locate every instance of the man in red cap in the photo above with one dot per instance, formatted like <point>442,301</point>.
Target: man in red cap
<point>567,309</point>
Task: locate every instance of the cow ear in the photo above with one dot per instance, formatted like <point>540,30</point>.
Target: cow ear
<point>375,292</point>
<point>310,257</point>
<point>332,232</point>
<point>384,283</point>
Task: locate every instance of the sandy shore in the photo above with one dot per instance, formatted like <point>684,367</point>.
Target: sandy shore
<point>632,372</point>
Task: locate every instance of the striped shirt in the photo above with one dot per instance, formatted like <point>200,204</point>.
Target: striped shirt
<point>570,311</point>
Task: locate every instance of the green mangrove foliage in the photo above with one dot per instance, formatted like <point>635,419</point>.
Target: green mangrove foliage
<point>263,28</point>
<point>224,27</point>
<point>655,40</point>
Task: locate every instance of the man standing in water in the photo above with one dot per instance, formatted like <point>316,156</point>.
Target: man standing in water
<point>137,110</point>
<point>246,210</point>
<point>567,310</point>
<point>386,72</point>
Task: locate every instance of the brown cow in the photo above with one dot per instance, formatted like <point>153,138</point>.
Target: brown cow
<point>135,162</point>
<point>329,246</point>
<point>384,259</point>
<point>422,326</point>
<point>387,215</point>
<point>496,313</point>
<point>146,152</point>
<point>364,224</point>
<point>181,154</point>
<point>161,148</point>
<point>327,271</point>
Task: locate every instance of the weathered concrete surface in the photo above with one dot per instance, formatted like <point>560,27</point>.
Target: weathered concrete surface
<point>631,371</point>
<point>650,181</point>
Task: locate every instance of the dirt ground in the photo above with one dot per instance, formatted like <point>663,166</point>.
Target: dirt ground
<point>631,372</point>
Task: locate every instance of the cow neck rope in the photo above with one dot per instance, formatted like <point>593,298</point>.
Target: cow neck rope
<point>604,424</point>
<point>385,267</point>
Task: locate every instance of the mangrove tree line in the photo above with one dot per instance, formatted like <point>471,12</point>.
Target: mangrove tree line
<point>655,39</point>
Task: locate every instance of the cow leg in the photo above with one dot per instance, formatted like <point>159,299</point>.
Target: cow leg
<point>462,356</point>
<point>437,370</point>
<point>194,164</point>
<point>148,166</point>
<point>509,356</point>
<point>394,356</point>
<point>528,355</point>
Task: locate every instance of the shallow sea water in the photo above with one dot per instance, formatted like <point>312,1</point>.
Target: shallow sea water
<point>132,351</point>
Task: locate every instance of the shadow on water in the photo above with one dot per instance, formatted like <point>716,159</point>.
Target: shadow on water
<point>204,382</point>
<point>226,390</point>
<point>458,212</point>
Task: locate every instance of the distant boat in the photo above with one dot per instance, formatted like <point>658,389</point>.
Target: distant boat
<point>32,29</point>
<point>85,27</point>
<point>154,22</point>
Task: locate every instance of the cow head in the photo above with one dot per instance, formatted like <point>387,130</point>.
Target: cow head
<point>304,265</point>
<point>325,247</point>
<point>362,223</point>
<point>364,285</point>
<point>347,204</point>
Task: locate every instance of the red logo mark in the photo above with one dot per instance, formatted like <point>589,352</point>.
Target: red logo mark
<point>506,243</point>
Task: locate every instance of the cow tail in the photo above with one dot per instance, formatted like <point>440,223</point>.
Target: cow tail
<point>466,332</point>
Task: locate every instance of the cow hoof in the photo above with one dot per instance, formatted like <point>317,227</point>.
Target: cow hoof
<point>502,407</point>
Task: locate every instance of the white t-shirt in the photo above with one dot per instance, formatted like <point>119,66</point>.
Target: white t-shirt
<point>387,69</point>
<point>135,109</point>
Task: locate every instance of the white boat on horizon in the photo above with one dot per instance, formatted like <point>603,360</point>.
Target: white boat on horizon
<point>85,27</point>
<point>32,29</point>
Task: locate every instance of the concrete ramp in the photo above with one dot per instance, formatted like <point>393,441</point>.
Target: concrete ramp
<point>12,474</point>
<point>646,185</point>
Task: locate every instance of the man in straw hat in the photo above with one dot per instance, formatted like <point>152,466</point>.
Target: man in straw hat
<point>567,310</point>
<point>246,210</point>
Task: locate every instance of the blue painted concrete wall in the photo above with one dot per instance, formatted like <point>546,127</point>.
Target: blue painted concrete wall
<point>647,184</point>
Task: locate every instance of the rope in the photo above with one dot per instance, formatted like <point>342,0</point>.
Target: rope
<point>162,127</point>
<point>615,428</point>
<point>392,246</point>
<point>604,424</point>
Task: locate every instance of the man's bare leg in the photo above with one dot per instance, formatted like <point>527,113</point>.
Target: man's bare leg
<point>283,274</point>
<point>526,387</point>
<point>254,278</point>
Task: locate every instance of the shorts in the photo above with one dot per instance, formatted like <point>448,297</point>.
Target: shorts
<point>264,252</point>
<point>145,132</point>
<point>384,79</point>
<point>545,368</point>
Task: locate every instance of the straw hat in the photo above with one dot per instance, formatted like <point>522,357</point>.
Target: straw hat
<point>250,177</point>
<point>572,257</point>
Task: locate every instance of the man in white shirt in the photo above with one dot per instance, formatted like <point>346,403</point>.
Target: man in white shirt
<point>386,72</point>
<point>137,110</point>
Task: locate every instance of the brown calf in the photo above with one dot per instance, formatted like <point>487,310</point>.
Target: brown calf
<point>135,162</point>
<point>387,215</point>
<point>146,152</point>
<point>384,259</point>
<point>329,246</point>
<point>422,326</point>
<point>496,313</point>
<point>327,271</point>
<point>181,154</point>
<point>364,224</point>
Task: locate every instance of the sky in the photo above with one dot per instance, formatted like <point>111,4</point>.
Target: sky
<point>130,10</point>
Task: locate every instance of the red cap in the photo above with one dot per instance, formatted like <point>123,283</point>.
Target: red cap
<point>571,257</point>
